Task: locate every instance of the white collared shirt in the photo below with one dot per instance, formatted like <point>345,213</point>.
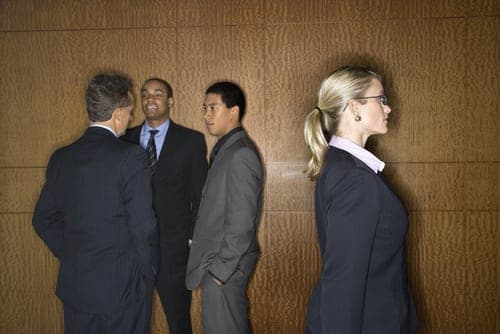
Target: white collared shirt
<point>94,125</point>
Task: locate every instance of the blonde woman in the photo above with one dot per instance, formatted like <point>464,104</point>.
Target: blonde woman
<point>361,222</point>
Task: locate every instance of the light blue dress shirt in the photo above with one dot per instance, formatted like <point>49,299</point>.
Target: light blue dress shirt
<point>159,137</point>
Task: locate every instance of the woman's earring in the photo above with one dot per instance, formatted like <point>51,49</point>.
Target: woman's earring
<point>357,118</point>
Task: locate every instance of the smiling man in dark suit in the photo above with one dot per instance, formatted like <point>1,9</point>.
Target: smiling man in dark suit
<point>95,214</point>
<point>177,156</point>
<point>224,249</point>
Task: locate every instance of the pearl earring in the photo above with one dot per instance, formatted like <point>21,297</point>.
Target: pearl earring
<point>357,118</point>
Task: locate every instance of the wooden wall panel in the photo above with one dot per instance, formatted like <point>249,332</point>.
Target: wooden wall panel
<point>423,87</point>
<point>440,65</point>
<point>469,8</point>
<point>158,321</point>
<point>34,67</point>
<point>25,256</point>
<point>446,186</point>
<point>27,279</point>
<point>292,270</point>
<point>294,11</point>
<point>313,11</point>
<point>20,188</point>
<point>441,277</point>
<point>452,266</point>
<point>211,54</point>
<point>259,287</point>
<point>31,312</point>
<point>28,15</point>
<point>481,124</point>
<point>288,189</point>
<point>220,12</point>
<point>297,59</point>
<point>482,233</point>
<point>49,73</point>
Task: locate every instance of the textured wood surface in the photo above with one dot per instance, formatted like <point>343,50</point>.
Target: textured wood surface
<point>209,54</point>
<point>439,60</point>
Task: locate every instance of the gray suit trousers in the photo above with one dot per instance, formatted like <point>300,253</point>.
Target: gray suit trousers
<point>224,308</point>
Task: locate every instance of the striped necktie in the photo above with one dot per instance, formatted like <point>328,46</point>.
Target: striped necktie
<point>151,150</point>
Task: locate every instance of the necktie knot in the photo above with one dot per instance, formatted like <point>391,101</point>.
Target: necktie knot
<point>153,132</point>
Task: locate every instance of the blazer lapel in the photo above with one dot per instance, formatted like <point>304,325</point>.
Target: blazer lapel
<point>170,141</point>
<point>361,164</point>
<point>234,138</point>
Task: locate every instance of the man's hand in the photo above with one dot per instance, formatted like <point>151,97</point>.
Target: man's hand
<point>216,280</point>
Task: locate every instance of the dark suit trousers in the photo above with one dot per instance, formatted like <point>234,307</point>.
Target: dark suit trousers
<point>171,288</point>
<point>134,319</point>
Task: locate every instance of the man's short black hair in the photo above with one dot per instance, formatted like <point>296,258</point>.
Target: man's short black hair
<point>231,94</point>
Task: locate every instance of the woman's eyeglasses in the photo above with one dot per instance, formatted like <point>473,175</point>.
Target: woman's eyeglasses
<point>383,98</point>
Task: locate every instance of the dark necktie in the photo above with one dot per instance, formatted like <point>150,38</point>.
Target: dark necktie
<point>151,150</point>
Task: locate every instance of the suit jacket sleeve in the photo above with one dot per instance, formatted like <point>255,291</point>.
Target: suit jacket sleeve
<point>243,188</point>
<point>352,217</point>
<point>199,168</point>
<point>137,195</point>
<point>48,219</point>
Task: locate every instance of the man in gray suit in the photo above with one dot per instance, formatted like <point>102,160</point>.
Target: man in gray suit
<point>224,248</point>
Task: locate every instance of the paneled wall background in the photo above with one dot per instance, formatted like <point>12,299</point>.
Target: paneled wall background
<point>440,63</point>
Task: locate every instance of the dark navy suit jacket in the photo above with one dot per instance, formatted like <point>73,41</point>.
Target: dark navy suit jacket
<point>362,226</point>
<point>95,214</point>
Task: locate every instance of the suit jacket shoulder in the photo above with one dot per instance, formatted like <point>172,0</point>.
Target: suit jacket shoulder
<point>184,130</point>
<point>132,135</point>
<point>340,165</point>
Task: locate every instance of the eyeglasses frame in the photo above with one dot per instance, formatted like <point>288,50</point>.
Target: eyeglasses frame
<point>383,99</point>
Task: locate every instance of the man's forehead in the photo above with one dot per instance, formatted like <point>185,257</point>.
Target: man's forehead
<point>212,98</point>
<point>154,86</point>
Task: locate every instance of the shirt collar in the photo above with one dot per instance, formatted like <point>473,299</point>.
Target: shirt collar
<point>95,125</point>
<point>162,128</point>
<point>359,152</point>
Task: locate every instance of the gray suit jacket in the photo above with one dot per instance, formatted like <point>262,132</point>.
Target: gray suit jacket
<point>224,239</point>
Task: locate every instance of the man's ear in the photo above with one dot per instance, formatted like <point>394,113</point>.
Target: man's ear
<point>116,114</point>
<point>170,102</point>
<point>235,112</point>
